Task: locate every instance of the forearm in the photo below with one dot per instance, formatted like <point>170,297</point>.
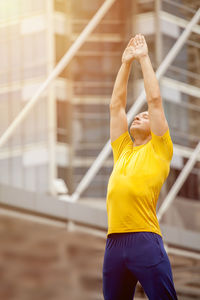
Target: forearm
<point>119,94</point>
<point>151,84</point>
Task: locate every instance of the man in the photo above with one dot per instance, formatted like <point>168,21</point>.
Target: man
<point>134,248</point>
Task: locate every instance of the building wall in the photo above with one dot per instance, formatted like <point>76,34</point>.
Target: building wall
<point>23,60</point>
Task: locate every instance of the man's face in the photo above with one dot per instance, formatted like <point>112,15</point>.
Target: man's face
<point>141,123</point>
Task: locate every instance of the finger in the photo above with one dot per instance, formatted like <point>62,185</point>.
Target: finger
<point>135,42</point>
<point>143,38</point>
<point>135,38</point>
<point>140,39</point>
<point>130,42</point>
<point>139,35</point>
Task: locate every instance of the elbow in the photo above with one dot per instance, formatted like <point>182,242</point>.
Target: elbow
<point>117,103</point>
<point>155,98</point>
<point>115,106</point>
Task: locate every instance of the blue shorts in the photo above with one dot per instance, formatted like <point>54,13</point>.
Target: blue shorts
<point>137,256</point>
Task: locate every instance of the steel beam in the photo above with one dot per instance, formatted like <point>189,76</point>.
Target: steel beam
<point>179,182</point>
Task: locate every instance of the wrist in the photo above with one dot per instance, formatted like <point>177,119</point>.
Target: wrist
<point>143,57</point>
<point>126,63</point>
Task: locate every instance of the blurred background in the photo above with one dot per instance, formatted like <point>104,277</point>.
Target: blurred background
<point>52,245</point>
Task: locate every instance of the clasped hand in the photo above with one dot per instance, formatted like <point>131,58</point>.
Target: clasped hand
<point>136,49</point>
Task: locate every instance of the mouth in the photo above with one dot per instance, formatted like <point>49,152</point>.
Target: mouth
<point>136,122</point>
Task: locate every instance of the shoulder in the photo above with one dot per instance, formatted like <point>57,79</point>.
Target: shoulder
<point>163,145</point>
<point>120,144</point>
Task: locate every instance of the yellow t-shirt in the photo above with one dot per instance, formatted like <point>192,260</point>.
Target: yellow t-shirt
<point>135,183</point>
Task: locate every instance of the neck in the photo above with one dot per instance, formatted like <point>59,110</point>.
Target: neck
<point>141,140</point>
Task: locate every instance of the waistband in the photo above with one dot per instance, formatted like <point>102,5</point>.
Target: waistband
<point>127,234</point>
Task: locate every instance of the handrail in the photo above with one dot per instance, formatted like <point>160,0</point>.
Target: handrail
<point>178,21</point>
<point>185,72</point>
<point>87,178</point>
<point>59,67</point>
<point>193,43</point>
<point>173,3</point>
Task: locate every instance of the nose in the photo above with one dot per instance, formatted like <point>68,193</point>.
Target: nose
<point>136,118</point>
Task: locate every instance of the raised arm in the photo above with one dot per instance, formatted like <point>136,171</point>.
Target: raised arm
<point>118,119</point>
<point>158,122</point>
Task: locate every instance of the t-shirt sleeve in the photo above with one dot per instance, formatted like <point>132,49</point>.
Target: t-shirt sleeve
<point>120,144</point>
<point>163,145</point>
